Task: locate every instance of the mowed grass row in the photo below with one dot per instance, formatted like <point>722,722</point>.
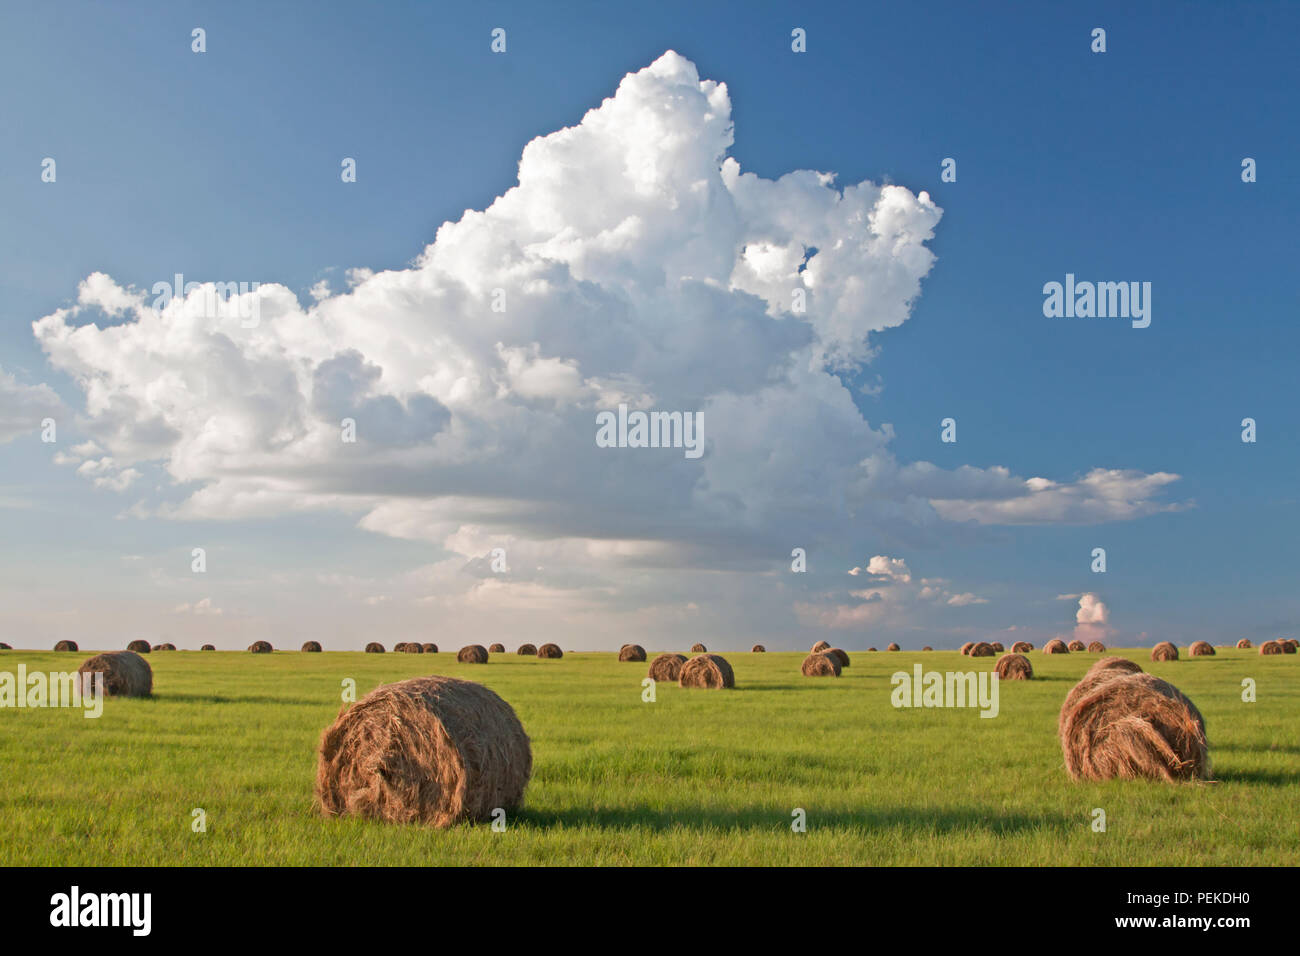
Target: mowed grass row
<point>698,777</point>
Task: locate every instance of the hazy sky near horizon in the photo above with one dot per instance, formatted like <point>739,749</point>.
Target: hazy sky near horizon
<point>623,208</point>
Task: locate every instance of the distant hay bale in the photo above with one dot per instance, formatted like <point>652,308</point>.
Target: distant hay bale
<point>1244,644</point>
<point>1134,726</point>
<point>527,650</point>
<point>698,649</point>
<point>1021,647</point>
<point>965,648</point>
<point>399,647</point>
<point>1164,651</point>
<point>311,647</point>
<point>550,652</point>
<point>632,652</point>
<point>1201,649</point>
<point>707,670</point>
<point>66,646</point>
<point>758,649</point>
<point>1076,646</point>
<point>820,665</point>
<point>1289,645</point>
<point>410,647</point>
<point>126,673</point>
<point>1014,667</point>
<point>1108,668</point>
<point>1056,646</point>
<point>374,647</point>
<point>496,648</point>
<point>1096,647</point>
<point>1270,647</point>
<point>208,647</point>
<point>666,667</point>
<point>872,650</point>
<point>927,648</point>
<point>260,647</point>
<point>820,646</point>
<point>981,649</point>
<point>433,750</point>
<point>164,647</point>
<point>998,648</point>
<point>139,647</point>
<point>892,647</point>
<point>472,654</point>
<point>841,657</point>
<point>429,648</point>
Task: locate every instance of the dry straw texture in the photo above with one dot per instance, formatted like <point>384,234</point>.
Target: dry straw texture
<point>892,647</point>
<point>981,649</point>
<point>66,646</point>
<point>1135,726</point>
<point>1096,647</point>
<point>698,649</point>
<point>374,647</point>
<point>257,647</point>
<point>1244,644</point>
<point>840,656</point>
<point>164,647</point>
<point>550,652</point>
<point>434,750</point>
<point>1108,668</point>
<point>430,648</point>
<point>1164,651</point>
<point>1270,647</point>
<point>965,648</point>
<point>667,667</point>
<point>208,647</point>
<point>707,670</point>
<point>312,647</point>
<point>998,648</point>
<point>496,648</point>
<point>527,650</point>
<point>927,648</point>
<point>1201,649</point>
<point>1289,645</point>
<point>472,654</point>
<point>1014,667</point>
<point>1056,646</point>
<point>412,648</point>
<point>820,646</point>
<point>1077,646</point>
<point>126,673</point>
<point>399,647</point>
<point>632,652</point>
<point>758,649</point>
<point>820,665</point>
<point>1021,647</point>
<point>140,647</point>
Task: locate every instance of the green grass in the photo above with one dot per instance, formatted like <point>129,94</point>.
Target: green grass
<point>698,777</point>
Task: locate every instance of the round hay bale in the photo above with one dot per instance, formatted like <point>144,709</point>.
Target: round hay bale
<point>1244,644</point>
<point>472,654</point>
<point>840,656</point>
<point>527,650</point>
<point>707,670</point>
<point>1289,645</point>
<point>138,647</point>
<point>1201,649</point>
<point>208,647</point>
<point>758,649</point>
<point>666,667</point>
<point>496,648</point>
<point>892,647</point>
<point>399,647</point>
<point>820,665</point>
<point>66,646</point>
<point>927,648</point>
<point>1056,646</point>
<point>126,673</point>
<point>1021,647</point>
<point>1077,646</point>
<point>429,648</point>
<point>1108,668</point>
<point>311,647</point>
<point>982,649</point>
<point>433,750</point>
<point>872,650</point>
<point>1014,667</point>
<point>965,648</point>
<point>1164,651</point>
<point>820,646</point>
<point>1270,647</point>
<point>1096,647</point>
<point>374,647</point>
<point>998,648</point>
<point>166,646</point>
<point>550,652</point>
<point>698,649</point>
<point>410,647</point>
<point>1135,726</point>
<point>632,652</point>
<point>258,647</point>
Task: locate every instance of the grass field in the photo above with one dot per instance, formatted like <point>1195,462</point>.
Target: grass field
<point>697,777</point>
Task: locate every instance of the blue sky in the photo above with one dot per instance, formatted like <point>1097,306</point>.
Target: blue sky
<point>1116,166</point>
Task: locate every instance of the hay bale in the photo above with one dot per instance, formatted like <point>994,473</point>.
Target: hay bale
<point>1096,647</point>
<point>1135,726</point>
<point>820,646</point>
<point>1244,645</point>
<point>208,647</point>
<point>1076,646</point>
<point>965,648</point>
<point>927,648</point>
<point>166,646</point>
<point>872,650</point>
<point>398,648</point>
<point>981,649</point>
<point>550,652</point>
<point>998,648</point>
<point>257,647</point>
<point>707,670</point>
<point>1014,667</point>
<point>632,652</point>
<point>758,649</point>
<point>374,647</point>
<point>496,648</point>
<point>433,750</point>
<point>126,673</point>
<point>1021,647</point>
<point>1201,649</point>
<point>66,646</point>
<point>311,647</point>
<point>527,650</point>
<point>1108,668</point>
<point>1270,647</point>
<point>1289,645</point>
<point>892,647</point>
<point>1164,651</point>
<point>472,654</point>
<point>666,667</point>
<point>429,648</point>
<point>1056,646</point>
<point>138,647</point>
<point>820,665</point>
<point>840,656</point>
<point>410,647</point>
<point>698,649</point>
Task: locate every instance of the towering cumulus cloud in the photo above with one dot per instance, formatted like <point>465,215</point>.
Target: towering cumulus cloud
<point>634,262</point>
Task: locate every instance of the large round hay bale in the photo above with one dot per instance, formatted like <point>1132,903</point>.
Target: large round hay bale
<point>1135,726</point>
<point>1096,647</point>
<point>165,646</point>
<point>434,750</point>
<point>892,647</point>
<point>1244,644</point>
<point>965,648</point>
<point>139,647</point>
<point>311,647</point>
<point>840,656</point>
<point>1076,646</point>
<point>997,647</point>
<point>1164,651</point>
<point>632,652</point>
<point>1270,647</point>
<point>1014,667</point>
<point>429,648</point>
<point>758,649</point>
<point>1021,647</point>
<point>1056,646</point>
<point>981,649</point>
<point>666,667</point>
<point>820,665</point>
<point>698,649</point>
<point>496,648</point>
<point>472,654</point>
<point>820,646</point>
<point>527,650</point>
<point>261,647</point>
<point>374,647</point>
<point>708,670</point>
<point>1108,668</point>
<point>126,673</point>
<point>410,647</point>
<point>66,646</point>
<point>208,647</point>
<point>1201,649</point>
<point>550,652</point>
